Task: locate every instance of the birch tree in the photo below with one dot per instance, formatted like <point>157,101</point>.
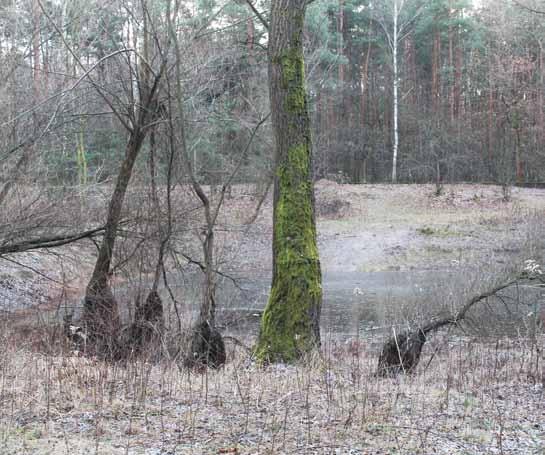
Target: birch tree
<point>396,18</point>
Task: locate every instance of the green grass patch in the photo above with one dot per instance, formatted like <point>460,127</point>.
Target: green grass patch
<point>445,231</point>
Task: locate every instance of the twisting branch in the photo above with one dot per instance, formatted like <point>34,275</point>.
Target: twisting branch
<point>528,8</point>
<point>258,14</point>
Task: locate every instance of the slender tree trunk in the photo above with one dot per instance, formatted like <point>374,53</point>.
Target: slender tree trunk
<point>540,106</point>
<point>457,79</point>
<point>451,66</point>
<point>36,48</point>
<point>206,347</point>
<point>340,42</point>
<point>490,116</point>
<point>344,106</point>
<point>250,39</point>
<point>410,52</point>
<point>364,83</point>
<point>519,165</point>
<point>290,324</point>
<point>101,313</point>
<point>396,101</point>
<point>364,89</point>
<point>435,71</point>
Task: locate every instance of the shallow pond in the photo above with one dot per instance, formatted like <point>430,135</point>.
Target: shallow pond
<point>367,304</point>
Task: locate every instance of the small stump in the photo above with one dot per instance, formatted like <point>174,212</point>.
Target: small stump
<point>401,353</point>
<point>207,348</point>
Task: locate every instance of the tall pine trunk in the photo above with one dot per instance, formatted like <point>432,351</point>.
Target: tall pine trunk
<point>290,325</point>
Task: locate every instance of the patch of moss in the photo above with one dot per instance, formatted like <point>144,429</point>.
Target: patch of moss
<point>293,74</point>
<point>439,232</point>
<point>289,324</point>
<point>426,230</point>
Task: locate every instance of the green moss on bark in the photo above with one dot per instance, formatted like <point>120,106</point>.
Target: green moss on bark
<point>288,328</point>
<point>290,323</point>
<point>293,73</point>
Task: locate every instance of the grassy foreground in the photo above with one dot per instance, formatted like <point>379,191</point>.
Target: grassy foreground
<point>466,398</point>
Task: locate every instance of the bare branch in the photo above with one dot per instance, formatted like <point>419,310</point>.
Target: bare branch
<point>49,242</point>
<point>87,72</point>
<point>238,166</point>
<point>528,8</point>
<point>258,14</point>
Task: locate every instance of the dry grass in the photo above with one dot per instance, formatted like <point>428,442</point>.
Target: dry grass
<point>467,398</point>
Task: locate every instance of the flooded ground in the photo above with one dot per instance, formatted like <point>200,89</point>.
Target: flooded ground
<point>366,305</point>
<point>389,254</point>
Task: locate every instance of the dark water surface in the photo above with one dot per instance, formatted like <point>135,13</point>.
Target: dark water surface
<point>367,304</point>
<point>354,303</point>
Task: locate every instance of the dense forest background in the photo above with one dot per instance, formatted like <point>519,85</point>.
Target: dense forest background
<point>466,105</point>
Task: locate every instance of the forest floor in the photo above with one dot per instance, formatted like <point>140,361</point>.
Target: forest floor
<point>469,395</point>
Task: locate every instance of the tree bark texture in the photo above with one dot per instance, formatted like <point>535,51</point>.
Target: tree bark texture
<point>100,312</point>
<point>290,324</point>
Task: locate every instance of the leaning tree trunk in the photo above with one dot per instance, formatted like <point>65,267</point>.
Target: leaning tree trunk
<point>100,312</point>
<point>401,353</point>
<point>146,329</point>
<point>290,323</point>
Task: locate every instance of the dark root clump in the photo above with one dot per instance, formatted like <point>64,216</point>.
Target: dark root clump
<point>401,353</point>
<point>207,348</point>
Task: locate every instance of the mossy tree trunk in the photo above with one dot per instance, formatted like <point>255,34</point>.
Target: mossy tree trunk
<point>290,324</point>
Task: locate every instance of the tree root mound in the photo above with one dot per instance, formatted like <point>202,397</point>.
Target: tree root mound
<point>101,322</point>
<point>207,348</point>
<point>401,353</point>
<point>145,332</point>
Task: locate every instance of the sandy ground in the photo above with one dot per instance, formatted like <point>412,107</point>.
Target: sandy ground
<point>401,227</point>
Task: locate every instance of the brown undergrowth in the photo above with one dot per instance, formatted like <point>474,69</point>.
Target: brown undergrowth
<point>466,397</point>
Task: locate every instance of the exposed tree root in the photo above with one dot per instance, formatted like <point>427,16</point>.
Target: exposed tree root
<point>146,330</point>
<point>207,348</point>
